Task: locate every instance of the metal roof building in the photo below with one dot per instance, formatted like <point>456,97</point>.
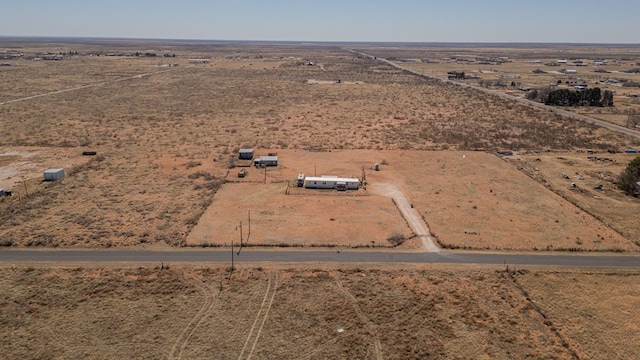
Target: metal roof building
<point>266,161</point>
<point>245,154</point>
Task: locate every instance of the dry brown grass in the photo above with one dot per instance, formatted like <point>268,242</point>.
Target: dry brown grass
<point>147,128</point>
<point>518,71</point>
<point>276,312</point>
<point>595,312</point>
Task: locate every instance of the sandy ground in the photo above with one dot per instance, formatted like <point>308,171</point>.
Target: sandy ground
<point>468,199</point>
<point>19,163</point>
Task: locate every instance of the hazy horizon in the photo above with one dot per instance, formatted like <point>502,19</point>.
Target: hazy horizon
<point>404,21</point>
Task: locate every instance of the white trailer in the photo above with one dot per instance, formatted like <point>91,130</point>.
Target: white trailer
<point>331,182</point>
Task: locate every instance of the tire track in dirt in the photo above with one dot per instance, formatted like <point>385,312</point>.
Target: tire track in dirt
<point>210,297</point>
<point>231,337</point>
<point>377,346</point>
<point>320,348</point>
<point>263,312</point>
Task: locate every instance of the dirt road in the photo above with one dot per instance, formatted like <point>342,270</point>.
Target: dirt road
<point>411,215</point>
<point>140,76</point>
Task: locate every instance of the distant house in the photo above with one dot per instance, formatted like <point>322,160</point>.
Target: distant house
<point>245,154</point>
<point>199,61</point>
<point>570,72</point>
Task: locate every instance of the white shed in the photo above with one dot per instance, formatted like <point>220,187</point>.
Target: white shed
<point>53,174</point>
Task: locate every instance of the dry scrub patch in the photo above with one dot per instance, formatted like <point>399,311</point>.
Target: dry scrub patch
<point>596,312</point>
<point>515,71</point>
<point>248,96</point>
<point>275,313</point>
<point>587,171</point>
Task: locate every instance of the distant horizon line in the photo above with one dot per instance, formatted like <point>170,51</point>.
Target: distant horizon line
<point>107,38</point>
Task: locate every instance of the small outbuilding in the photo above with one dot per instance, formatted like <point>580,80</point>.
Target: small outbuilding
<point>53,174</point>
<point>266,161</point>
<point>245,154</point>
<point>331,182</point>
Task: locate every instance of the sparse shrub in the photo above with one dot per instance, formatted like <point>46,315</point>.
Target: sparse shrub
<point>396,239</point>
<point>6,242</point>
<point>192,164</point>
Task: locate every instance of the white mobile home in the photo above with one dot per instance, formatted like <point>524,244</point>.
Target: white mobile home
<point>331,182</point>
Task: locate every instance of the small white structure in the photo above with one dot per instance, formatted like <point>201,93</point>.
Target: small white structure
<point>570,72</point>
<point>331,182</point>
<point>53,174</point>
<point>300,180</point>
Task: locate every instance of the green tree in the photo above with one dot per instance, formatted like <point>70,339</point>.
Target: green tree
<point>630,176</point>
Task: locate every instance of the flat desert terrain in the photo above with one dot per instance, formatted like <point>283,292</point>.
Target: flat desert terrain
<point>315,312</point>
<point>471,170</point>
<point>166,131</point>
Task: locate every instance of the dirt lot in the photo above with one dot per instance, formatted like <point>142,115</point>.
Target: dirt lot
<point>367,312</point>
<point>469,199</point>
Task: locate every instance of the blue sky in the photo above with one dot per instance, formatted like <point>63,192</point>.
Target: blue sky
<point>586,21</point>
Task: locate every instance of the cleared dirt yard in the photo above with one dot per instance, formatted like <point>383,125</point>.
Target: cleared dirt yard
<point>469,199</point>
<point>333,219</point>
<point>317,313</point>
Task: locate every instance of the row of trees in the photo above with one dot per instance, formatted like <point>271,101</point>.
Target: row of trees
<point>586,97</point>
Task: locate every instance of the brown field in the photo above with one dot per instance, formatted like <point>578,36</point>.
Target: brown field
<point>167,132</point>
<point>517,72</point>
<point>315,312</point>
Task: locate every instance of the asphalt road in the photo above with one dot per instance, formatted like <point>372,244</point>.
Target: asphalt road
<point>250,255</point>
